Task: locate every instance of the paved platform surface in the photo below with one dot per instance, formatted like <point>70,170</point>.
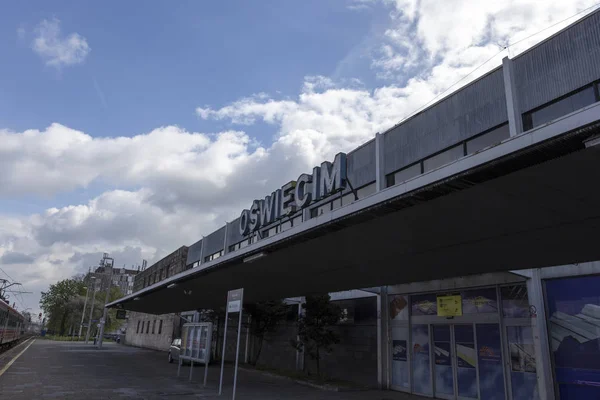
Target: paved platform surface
<point>65,370</point>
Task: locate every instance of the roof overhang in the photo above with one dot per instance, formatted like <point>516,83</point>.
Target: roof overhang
<point>531,201</point>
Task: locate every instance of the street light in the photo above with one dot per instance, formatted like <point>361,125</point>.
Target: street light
<point>89,326</point>
<point>87,290</point>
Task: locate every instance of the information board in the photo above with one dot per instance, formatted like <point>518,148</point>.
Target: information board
<point>196,342</point>
<point>449,306</point>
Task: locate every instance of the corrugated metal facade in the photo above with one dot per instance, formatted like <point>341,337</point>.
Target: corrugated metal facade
<point>565,62</point>
<point>472,110</point>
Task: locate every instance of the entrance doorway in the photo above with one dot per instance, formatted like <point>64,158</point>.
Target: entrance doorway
<point>455,361</point>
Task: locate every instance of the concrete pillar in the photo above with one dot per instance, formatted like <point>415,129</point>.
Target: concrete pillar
<point>225,249</point>
<point>540,336</point>
<point>515,120</point>
<point>379,163</point>
<point>383,349</point>
<point>300,354</point>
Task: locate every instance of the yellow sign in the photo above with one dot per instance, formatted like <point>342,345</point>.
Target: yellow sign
<point>449,306</point>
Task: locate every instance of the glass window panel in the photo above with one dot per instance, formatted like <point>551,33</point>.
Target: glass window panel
<point>522,363</point>
<point>398,307</point>
<point>479,301</point>
<point>366,191</point>
<point>562,107</point>
<point>574,323</point>
<point>324,209</point>
<point>466,361</point>
<point>444,158</point>
<point>424,304</point>
<point>272,231</point>
<point>515,303</point>
<point>488,139</point>
<point>400,369</point>
<point>407,173</point>
<point>389,180</point>
<point>491,369</point>
<point>421,372</point>
<point>442,353</point>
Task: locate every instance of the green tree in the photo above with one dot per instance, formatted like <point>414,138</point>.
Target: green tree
<point>265,317</point>
<point>315,327</point>
<point>59,303</point>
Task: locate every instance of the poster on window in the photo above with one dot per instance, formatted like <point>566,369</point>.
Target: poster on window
<point>399,350</point>
<point>574,324</point>
<point>398,308</point>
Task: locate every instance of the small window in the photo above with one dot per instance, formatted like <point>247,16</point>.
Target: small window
<point>390,180</point>
<point>443,158</point>
<point>153,326</point>
<point>366,191</point>
<point>148,327</point>
<point>488,139</point>
<point>138,327</point>
<point>558,108</point>
<point>160,326</point>
<point>286,225</point>
<point>406,173</point>
<point>144,284</point>
<point>314,212</point>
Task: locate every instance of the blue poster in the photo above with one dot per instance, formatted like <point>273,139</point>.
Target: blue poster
<point>574,324</point>
<point>489,353</point>
<point>399,350</point>
<point>421,362</point>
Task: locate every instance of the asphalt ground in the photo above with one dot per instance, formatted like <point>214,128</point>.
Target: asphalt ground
<point>73,370</point>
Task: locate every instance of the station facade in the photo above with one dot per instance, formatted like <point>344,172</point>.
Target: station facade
<point>513,332</point>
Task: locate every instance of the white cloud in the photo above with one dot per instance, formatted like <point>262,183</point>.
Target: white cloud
<point>169,186</point>
<point>58,50</point>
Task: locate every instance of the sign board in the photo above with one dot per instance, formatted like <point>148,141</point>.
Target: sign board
<point>121,314</point>
<point>196,342</point>
<point>326,180</point>
<point>449,306</point>
<point>234,300</point>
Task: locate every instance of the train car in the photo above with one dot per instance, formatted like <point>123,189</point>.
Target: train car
<point>11,324</point>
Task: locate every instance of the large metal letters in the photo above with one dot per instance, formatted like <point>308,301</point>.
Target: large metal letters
<point>325,180</point>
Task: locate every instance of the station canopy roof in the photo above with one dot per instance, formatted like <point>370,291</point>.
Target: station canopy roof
<point>531,201</point>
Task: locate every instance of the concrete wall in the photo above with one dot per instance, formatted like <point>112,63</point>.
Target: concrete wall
<point>149,340</point>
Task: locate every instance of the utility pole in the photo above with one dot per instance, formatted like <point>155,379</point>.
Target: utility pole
<point>87,291</point>
<point>89,327</point>
<point>103,320</point>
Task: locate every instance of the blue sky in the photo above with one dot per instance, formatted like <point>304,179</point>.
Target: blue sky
<point>152,65</point>
<point>134,127</point>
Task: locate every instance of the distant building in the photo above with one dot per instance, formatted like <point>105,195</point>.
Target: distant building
<point>121,277</point>
<point>150,330</point>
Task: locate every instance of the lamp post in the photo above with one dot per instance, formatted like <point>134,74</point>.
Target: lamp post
<point>87,291</point>
<point>89,327</point>
<point>108,267</point>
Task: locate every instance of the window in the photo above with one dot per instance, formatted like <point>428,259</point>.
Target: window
<point>160,275</point>
<point>153,326</point>
<point>314,212</point>
<point>558,108</point>
<point>403,175</point>
<point>144,284</point>
<point>443,158</point>
<point>148,327</point>
<point>488,139</point>
<point>515,303</point>
<point>336,203</point>
<point>138,327</point>
<point>160,327</point>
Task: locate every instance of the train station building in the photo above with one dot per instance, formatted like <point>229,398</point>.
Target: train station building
<point>472,227</point>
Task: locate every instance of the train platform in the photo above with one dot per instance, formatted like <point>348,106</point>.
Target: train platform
<point>44,369</point>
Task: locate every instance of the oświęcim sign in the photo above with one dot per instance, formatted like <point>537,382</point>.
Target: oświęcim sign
<point>325,180</point>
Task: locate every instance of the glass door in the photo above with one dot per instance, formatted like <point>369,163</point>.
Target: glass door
<point>455,362</point>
